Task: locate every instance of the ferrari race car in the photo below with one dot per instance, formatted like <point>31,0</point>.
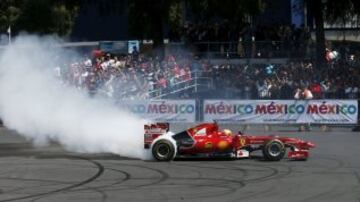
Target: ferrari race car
<point>206,140</point>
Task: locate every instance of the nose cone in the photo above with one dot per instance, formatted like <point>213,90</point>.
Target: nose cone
<point>311,145</point>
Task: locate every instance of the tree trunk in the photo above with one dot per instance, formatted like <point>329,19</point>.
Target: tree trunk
<point>157,29</point>
<point>317,9</point>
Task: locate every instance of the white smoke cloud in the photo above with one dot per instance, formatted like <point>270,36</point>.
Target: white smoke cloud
<point>33,103</point>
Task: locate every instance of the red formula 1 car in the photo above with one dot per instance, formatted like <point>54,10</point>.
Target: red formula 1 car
<point>206,140</point>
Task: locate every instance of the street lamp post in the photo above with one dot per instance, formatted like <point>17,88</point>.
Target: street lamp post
<point>9,34</point>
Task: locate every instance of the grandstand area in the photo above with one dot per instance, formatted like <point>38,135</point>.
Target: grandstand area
<point>181,73</point>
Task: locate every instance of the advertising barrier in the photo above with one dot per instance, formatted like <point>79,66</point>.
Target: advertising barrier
<point>162,110</point>
<point>281,111</point>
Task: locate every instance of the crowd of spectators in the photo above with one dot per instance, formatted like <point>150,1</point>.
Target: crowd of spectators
<point>125,76</point>
<point>147,76</point>
<point>285,81</point>
<point>136,76</point>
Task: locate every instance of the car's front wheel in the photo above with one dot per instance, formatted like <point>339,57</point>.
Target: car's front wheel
<point>163,150</point>
<point>274,150</point>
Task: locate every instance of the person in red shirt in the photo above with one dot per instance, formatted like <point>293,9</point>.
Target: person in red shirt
<point>315,88</point>
<point>187,75</point>
<point>176,70</point>
<point>98,65</point>
<point>162,83</point>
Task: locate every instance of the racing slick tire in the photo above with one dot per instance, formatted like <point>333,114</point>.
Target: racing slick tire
<point>274,150</point>
<point>163,150</point>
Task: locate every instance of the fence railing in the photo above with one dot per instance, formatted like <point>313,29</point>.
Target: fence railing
<point>195,84</point>
<point>201,83</point>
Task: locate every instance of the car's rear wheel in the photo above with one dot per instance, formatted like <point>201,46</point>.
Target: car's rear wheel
<point>163,150</point>
<point>274,150</point>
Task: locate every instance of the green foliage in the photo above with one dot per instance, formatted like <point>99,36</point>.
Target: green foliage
<point>36,16</point>
<point>175,14</point>
<point>331,11</point>
<point>39,16</point>
<point>233,11</point>
<point>63,19</point>
<point>335,11</point>
<point>341,12</point>
<point>147,18</point>
<point>9,13</point>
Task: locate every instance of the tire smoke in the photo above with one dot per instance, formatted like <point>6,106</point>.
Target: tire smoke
<point>35,104</point>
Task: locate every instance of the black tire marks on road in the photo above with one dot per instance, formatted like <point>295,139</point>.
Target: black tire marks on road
<point>144,177</point>
<point>100,170</point>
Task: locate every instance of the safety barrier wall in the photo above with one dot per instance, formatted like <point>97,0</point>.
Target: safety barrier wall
<point>162,110</point>
<point>342,112</point>
<point>282,111</point>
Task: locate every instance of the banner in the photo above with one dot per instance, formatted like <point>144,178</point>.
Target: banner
<point>162,110</point>
<point>113,46</point>
<point>282,111</point>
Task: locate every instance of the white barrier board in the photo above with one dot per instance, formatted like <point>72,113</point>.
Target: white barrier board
<point>162,110</point>
<point>282,111</point>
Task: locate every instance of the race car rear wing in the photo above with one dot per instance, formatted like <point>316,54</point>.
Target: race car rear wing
<point>152,131</point>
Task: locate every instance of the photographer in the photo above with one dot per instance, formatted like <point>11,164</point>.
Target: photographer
<point>303,94</point>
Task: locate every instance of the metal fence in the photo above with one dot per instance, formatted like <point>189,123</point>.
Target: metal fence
<point>197,83</point>
<point>210,87</point>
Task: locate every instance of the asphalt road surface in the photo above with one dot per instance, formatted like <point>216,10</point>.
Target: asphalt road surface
<point>332,173</point>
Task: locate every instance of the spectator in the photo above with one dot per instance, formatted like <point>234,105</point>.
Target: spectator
<point>130,76</point>
<point>315,88</point>
<point>263,89</point>
<point>286,91</point>
<point>306,94</point>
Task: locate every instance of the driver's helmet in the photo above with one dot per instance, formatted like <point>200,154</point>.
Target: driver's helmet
<point>227,132</point>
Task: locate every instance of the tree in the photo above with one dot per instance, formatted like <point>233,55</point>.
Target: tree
<point>317,7</point>
<point>63,19</point>
<point>9,13</point>
<point>39,16</point>
<point>36,17</point>
<point>147,19</point>
<point>233,11</point>
<point>335,12</point>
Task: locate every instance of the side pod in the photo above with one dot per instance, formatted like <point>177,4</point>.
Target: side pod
<point>152,131</point>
